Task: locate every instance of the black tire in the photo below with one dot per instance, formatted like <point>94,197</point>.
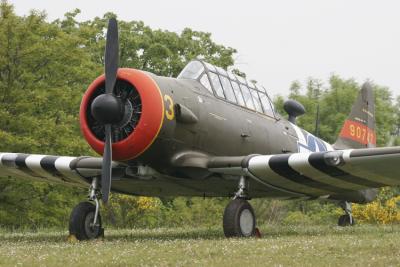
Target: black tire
<point>344,220</point>
<point>80,222</point>
<point>239,219</point>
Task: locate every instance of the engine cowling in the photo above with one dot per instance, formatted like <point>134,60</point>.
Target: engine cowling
<point>143,114</point>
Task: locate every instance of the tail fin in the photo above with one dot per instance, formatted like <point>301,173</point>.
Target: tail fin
<point>358,130</point>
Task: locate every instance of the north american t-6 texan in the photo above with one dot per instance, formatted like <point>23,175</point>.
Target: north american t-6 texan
<point>208,133</point>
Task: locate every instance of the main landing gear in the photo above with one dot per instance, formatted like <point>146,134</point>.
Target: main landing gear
<point>239,219</point>
<point>85,219</point>
<point>346,219</point>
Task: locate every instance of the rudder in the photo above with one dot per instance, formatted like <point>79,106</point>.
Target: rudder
<point>358,130</point>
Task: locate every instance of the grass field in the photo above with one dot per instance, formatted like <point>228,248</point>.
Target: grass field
<point>279,246</point>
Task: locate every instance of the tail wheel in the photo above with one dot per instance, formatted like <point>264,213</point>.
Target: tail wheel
<point>345,220</point>
<point>81,222</point>
<point>239,219</point>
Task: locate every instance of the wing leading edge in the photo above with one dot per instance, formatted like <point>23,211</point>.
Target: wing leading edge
<point>63,169</point>
<point>320,173</point>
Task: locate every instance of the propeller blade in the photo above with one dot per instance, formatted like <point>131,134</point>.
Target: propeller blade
<point>111,67</point>
<point>106,169</point>
<point>111,55</point>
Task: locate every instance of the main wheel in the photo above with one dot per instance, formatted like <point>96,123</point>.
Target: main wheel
<point>344,220</point>
<point>81,222</point>
<point>239,219</point>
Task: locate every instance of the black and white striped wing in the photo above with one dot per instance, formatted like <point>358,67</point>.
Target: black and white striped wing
<point>319,173</point>
<point>70,170</point>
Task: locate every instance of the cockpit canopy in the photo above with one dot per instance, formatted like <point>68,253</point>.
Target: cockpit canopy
<point>228,86</point>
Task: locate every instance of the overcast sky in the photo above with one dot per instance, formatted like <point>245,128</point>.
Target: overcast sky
<point>277,41</point>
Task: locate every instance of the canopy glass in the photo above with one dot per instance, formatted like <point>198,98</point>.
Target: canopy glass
<point>226,85</point>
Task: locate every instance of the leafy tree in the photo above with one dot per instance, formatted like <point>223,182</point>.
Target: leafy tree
<point>45,67</point>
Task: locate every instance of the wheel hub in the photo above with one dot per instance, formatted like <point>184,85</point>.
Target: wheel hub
<point>91,230</point>
<point>246,222</point>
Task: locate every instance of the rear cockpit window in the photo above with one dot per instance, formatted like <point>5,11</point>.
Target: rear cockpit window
<point>226,84</point>
<point>206,83</point>
<point>238,93</point>
<point>241,79</point>
<point>209,66</point>
<point>192,70</point>
<point>232,77</point>
<point>256,100</point>
<point>221,71</point>
<point>216,84</point>
<point>269,99</point>
<point>266,104</point>
<point>247,96</point>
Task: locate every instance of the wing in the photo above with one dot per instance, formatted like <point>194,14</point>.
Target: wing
<point>320,173</point>
<point>59,169</point>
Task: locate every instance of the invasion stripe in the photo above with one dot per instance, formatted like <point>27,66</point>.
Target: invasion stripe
<point>280,165</point>
<point>299,162</point>
<point>259,167</point>
<point>317,161</point>
<point>48,164</point>
<point>8,160</point>
<point>33,163</point>
<point>20,162</point>
<point>62,164</point>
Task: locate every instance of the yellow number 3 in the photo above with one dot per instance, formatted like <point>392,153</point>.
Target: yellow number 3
<point>169,113</point>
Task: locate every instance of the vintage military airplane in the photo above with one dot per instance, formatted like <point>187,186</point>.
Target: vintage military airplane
<point>208,133</point>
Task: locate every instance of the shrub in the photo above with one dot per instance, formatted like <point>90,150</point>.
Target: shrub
<point>381,212</point>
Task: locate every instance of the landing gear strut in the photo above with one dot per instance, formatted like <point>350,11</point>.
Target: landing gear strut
<point>85,219</point>
<point>346,219</point>
<point>239,219</point>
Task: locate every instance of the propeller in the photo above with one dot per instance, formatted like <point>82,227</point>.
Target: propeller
<point>107,108</point>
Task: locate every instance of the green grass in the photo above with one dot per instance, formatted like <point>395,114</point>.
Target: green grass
<point>279,246</point>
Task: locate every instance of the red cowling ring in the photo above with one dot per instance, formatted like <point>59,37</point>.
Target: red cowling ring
<point>149,123</point>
